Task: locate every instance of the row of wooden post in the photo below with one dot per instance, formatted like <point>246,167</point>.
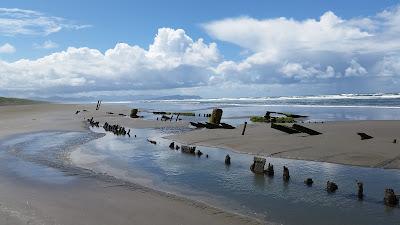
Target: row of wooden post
<point>390,199</point>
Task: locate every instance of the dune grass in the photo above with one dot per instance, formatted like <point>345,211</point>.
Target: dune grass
<point>17,101</point>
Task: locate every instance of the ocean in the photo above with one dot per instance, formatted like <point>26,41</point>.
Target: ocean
<point>318,108</point>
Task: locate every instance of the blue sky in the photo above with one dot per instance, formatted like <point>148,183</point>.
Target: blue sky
<point>264,47</point>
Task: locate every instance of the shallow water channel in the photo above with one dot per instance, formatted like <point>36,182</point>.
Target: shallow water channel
<point>233,187</point>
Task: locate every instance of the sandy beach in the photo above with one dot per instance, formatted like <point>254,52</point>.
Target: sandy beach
<point>338,143</point>
<point>86,200</point>
<point>91,201</point>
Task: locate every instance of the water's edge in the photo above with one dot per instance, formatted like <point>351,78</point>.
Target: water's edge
<point>69,169</point>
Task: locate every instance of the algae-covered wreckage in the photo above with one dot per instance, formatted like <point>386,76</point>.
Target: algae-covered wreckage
<point>277,117</point>
<point>214,121</point>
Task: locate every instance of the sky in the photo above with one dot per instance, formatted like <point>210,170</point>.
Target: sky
<point>206,48</point>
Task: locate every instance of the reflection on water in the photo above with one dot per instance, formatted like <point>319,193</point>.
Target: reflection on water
<point>41,156</point>
<point>236,188</point>
<point>232,187</point>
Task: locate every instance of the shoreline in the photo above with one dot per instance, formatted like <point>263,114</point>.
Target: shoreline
<point>189,210</point>
<point>269,156</point>
<point>338,144</point>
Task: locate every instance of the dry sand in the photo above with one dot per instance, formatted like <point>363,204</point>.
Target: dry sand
<point>339,142</point>
<point>88,200</point>
<point>37,117</point>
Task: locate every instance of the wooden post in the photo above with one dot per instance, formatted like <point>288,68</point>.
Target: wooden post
<point>360,192</point>
<point>134,113</point>
<point>216,116</point>
<point>227,160</point>
<point>244,128</point>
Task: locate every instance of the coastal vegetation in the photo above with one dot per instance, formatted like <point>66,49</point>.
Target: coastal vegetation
<point>262,119</point>
<point>17,101</point>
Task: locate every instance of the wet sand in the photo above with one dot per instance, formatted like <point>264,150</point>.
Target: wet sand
<point>89,200</point>
<point>339,142</point>
<point>30,118</point>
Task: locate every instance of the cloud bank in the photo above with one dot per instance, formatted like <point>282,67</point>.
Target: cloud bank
<point>173,60</point>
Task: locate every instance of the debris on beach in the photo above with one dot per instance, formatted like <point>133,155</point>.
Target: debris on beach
<point>309,181</point>
<point>197,125</point>
<point>286,175</point>
<point>227,160</point>
<point>93,123</point>
<point>188,149</point>
<point>116,129</point>
<point>364,136</point>
<point>212,126</point>
<point>258,165</point>
<point>294,129</point>
<point>216,116</point>
<point>331,186</point>
<point>152,141</point>
<point>214,121</point>
<point>174,113</point>
<point>134,113</point>
<point>284,128</point>
<point>244,128</point>
<point>360,190</point>
<point>98,104</point>
<point>390,199</point>
<point>159,113</point>
<point>306,130</point>
<point>270,170</point>
<point>283,118</point>
<point>165,118</point>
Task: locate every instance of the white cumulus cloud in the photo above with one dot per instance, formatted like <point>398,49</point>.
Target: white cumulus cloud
<point>286,50</point>
<point>173,60</point>
<point>389,66</point>
<point>7,48</point>
<point>355,69</point>
<point>298,71</point>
